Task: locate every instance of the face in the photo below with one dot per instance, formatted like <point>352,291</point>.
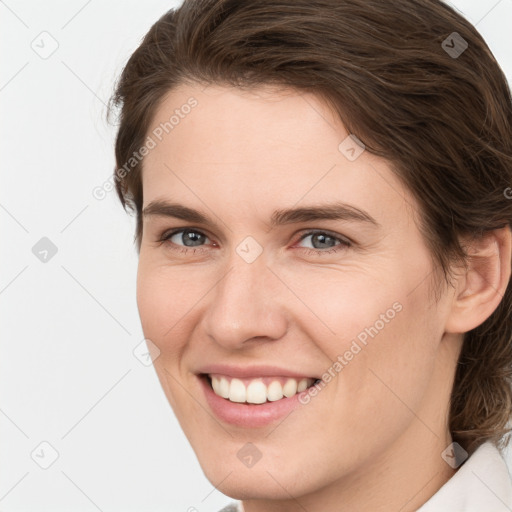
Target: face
<point>303,262</point>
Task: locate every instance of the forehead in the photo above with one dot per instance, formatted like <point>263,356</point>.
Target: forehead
<point>262,146</point>
<point>231,121</point>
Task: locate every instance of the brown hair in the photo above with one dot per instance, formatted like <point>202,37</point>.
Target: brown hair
<point>388,69</point>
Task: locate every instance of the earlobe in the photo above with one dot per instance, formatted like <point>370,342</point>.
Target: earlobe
<point>481,287</point>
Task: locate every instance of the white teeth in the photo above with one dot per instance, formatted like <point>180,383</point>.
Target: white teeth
<point>237,391</point>
<point>257,392</point>
<point>275,391</point>
<point>290,388</point>
<point>223,387</point>
<point>220,386</point>
<point>215,385</point>
<point>302,385</point>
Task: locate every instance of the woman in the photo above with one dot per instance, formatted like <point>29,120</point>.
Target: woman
<point>323,226</point>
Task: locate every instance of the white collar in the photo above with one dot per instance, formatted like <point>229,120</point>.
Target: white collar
<point>481,484</point>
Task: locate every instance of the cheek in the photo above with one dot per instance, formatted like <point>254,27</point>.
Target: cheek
<point>371,400</point>
<point>384,338</point>
<point>164,298</point>
<point>341,309</point>
<point>392,373</point>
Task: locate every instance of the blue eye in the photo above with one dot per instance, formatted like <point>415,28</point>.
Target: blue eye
<point>188,235</point>
<point>193,240</point>
<point>323,237</point>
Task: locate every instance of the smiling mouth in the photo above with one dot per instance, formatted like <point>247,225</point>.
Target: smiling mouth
<point>258,390</point>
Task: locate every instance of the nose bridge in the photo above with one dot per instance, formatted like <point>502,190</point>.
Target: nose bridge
<point>243,303</point>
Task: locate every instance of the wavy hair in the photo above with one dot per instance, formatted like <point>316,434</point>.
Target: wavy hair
<point>435,104</point>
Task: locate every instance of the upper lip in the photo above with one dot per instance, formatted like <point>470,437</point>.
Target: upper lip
<point>248,372</point>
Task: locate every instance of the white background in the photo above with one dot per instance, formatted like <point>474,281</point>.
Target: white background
<point>69,325</point>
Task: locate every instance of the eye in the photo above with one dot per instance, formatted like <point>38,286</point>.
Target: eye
<point>325,240</point>
<point>190,238</point>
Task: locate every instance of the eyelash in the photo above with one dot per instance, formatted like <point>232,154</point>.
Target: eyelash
<point>345,243</point>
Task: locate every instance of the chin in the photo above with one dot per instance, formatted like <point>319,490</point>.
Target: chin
<point>262,481</point>
<point>251,486</point>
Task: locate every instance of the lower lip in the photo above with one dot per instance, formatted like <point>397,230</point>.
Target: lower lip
<point>248,415</point>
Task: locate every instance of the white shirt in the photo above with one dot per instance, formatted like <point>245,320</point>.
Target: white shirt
<point>481,484</point>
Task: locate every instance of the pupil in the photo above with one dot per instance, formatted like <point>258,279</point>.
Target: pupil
<point>192,236</point>
<point>321,237</point>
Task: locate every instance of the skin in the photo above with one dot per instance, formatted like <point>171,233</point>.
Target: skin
<point>372,438</point>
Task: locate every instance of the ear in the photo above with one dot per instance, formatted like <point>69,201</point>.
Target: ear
<point>481,287</point>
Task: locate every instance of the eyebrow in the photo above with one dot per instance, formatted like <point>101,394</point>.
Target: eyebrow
<point>330,211</point>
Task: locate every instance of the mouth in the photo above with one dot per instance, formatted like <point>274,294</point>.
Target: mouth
<point>258,390</point>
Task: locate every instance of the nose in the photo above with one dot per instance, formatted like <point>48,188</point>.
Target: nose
<point>245,305</point>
